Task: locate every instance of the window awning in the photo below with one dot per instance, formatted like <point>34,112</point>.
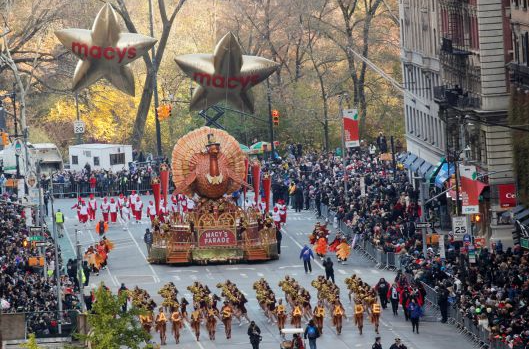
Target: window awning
<point>444,173</point>
<point>425,167</point>
<point>409,160</point>
<point>416,164</point>
<point>521,215</point>
<point>402,156</point>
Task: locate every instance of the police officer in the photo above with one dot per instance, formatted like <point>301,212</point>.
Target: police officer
<point>59,222</point>
<point>148,238</point>
<point>377,344</point>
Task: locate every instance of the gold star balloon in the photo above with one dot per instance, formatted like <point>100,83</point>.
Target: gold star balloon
<point>226,75</point>
<point>105,51</point>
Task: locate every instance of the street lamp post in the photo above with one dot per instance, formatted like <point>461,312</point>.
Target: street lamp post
<point>344,150</point>
<point>270,118</point>
<point>78,253</point>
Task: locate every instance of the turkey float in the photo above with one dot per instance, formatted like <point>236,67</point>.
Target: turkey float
<point>204,224</point>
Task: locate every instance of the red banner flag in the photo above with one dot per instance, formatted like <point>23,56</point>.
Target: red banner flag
<point>267,184</point>
<point>507,195</point>
<point>470,189</point>
<point>244,189</point>
<point>155,186</point>
<point>350,127</point>
<point>164,178</point>
<point>256,179</point>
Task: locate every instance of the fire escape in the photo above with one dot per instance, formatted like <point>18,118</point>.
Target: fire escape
<point>461,77</point>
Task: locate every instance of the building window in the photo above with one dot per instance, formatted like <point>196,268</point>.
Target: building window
<point>96,161</point>
<point>526,48</point>
<point>483,144</point>
<point>75,160</point>
<point>117,159</point>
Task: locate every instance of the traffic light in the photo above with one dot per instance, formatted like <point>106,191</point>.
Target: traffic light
<point>25,243</point>
<point>275,117</point>
<point>475,218</point>
<point>164,111</point>
<point>5,138</point>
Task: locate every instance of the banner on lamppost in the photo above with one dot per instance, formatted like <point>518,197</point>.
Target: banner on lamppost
<point>507,195</point>
<point>350,128</point>
<point>470,189</point>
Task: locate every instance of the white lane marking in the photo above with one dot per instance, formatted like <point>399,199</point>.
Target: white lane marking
<point>300,246</point>
<point>374,271</point>
<point>290,266</point>
<point>341,271</point>
<point>239,268</point>
<point>193,335</point>
<point>260,275</point>
<point>176,277</point>
<point>193,277</point>
<point>155,275</point>
<point>244,275</point>
<point>114,280</point>
<point>184,271</point>
<point>357,271</point>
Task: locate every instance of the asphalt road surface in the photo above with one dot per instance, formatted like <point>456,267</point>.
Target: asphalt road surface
<point>127,264</point>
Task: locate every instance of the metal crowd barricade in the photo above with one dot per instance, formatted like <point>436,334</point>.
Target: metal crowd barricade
<point>391,261</point>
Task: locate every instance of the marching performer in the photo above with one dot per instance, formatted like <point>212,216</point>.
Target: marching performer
<point>319,314</point>
<point>196,317</point>
<point>105,209</point>
<point>262,207</point>
<point>296,315</point>
<point>92,208</point>
<point>138,209</point>
<point>163,214</point>
<point>161,325</point>
<point>277,218</point>
<point>151,211</point>
<point>338,313</point>
<point>125,215</point>
<point>211,321</point>
<point>132,200</point>
<point>113,209</point>
<point>176,320</point>
<point>121,203</point>
<point>283,211</point>
<point>146,322</point>
<point>375,315</point>
<point>359,314</point>
<point>77,207</point>
<point>227,314</point>
<point>83,212</point>
<point>343,250</point>
<point>281,315</point>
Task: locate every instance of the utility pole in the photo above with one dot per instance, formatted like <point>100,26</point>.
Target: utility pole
<point>393,156</point>
<point>270,119</point>
<point>423,187</point>
<point>155,85</point>
<point>17,157</point>
<point>78,250</point>
<point>57,268</point>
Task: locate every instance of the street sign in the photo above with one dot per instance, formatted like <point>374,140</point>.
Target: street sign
<point>524,242</point>
<point>78,127</point>
<point>36,238</point>
<point>18,146</point>
<point>420,225</point>
<point>41,244</point>
<point>467,239</point>
<point>460,225</point>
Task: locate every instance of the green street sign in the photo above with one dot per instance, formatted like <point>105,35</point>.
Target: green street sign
<point>36,238</point>
<point>524,242</point>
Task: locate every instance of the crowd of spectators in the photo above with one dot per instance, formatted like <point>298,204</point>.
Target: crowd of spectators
<point>381,205</point>
<point>24,288</point>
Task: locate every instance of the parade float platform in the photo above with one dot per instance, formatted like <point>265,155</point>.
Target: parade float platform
<point>216,232</point>
<point>208,165</point>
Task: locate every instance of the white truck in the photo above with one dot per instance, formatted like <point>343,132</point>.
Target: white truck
<point>47,153</point>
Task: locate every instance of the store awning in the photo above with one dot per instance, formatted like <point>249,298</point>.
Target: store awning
<point>402,156</point>
<point>417,164</point>
<point>444,174</point>
<point>425,167</point>
<point>517,209</point>
<point>432,172</point>
<point>409,160</point>
<point>522,214</point>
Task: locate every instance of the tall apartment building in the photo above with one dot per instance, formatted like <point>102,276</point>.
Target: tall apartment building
<point>425,133</point>
<point>475,45</point>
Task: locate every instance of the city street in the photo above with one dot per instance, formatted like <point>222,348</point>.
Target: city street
<point>127,264</point>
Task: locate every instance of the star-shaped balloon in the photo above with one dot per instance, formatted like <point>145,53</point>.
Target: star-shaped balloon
<point>226,75</point>
<point>105,51</point>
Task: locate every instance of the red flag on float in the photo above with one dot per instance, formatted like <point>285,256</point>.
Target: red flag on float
<point>246,165</point>
<point>155,186</point>
<point>256,179</point>
<point>350,127</point>
<point>164,178</point>
<point>267,183</point>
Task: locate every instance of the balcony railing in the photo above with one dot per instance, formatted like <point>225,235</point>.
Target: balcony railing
<point>454,97</point>
<point>519,73</point>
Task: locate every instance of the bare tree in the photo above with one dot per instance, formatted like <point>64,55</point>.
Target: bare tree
<point>167,22</point>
